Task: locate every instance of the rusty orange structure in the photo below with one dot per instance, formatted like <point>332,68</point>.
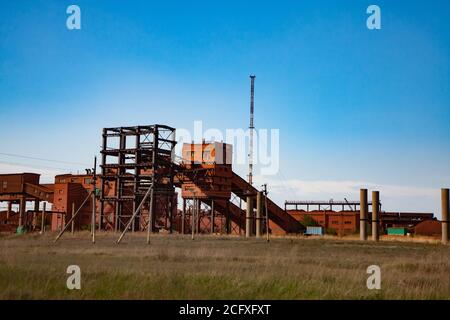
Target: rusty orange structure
<point>69,192</point>
<point>346,221</point>
<point>136,191</point>
<point>18,189</point>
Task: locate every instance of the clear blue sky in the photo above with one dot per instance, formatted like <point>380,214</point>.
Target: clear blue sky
<point>352,105</point>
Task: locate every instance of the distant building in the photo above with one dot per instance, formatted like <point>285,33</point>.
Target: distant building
<point>346,221</point>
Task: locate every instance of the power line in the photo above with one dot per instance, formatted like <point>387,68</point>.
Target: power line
<point>34,166</point>
<point>42,159</point>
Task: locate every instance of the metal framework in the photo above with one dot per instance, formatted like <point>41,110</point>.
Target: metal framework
<point>206,216</point>
<point>133,160</point>
<point>324,205</point>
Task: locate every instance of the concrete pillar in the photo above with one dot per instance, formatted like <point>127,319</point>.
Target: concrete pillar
<point>22,209</point>
<point>375,214</point>
<point>169,209</point>
<point>183,217</point>
<point>212,216</point>
<point>259,209</point>
<point>73,221</point>
<point>36,210</point>
<point>199,211</point>
<point>43,218</point>
<point>248,217</point>
<point>445,215</point>
<point>193,209</point>
<point>228,218</point>
<point>8,211</point>
<point>363,209</point>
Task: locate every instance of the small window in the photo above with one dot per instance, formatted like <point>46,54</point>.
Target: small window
<point>88,181</point>
<point>5,184</point>
<point>347,222</point>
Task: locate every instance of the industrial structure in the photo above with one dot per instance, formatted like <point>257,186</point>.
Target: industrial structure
<point>140,161</point>
<point>135,161</point>
<point>343,217</point>
<point>142,181</point>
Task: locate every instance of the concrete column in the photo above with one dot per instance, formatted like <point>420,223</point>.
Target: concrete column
<point>199,211</point>
<point>169,212</point>
<point>259,209</point>
<point>212,216</point>
<point>8,211</point>
<point>248,217</point>
<point>183,217</point>
<point>228,218</point>
<point>363,209</point>
<point>36,210</point>
<point>43,218</point>
<point>375,214</point>
<point>22,209</point>
<point>73,221</point>
<point>445,215</point>
<point>193,209</point>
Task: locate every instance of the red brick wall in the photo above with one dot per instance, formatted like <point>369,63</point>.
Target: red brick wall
<point>343,222</point>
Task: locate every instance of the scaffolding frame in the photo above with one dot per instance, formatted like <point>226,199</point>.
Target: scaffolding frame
<point>135,159</point>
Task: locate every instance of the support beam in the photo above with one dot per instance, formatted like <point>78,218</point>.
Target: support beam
<point>94,189</point>
<point>363,214</point>
<point>259,209</point>
<point>375,214</point>
<point>240,214</point>
<point>193,209</point>
<point>198,209</point>
<point>445,215</point>
<point>36,210</point>
<point>72,224</point>
<point>43,218</point>
<point>248,217</point>
<point>150,210</point>
<point>73,216</point>
<point>228,218</point>
<point>22,208</point>
<point>169,213</point>
<point>183,217</point>
<point>212,216</point>
<point>93,216</point>
<point>8,212</point>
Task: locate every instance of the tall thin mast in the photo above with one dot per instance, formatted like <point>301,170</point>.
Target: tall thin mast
<point>251,128</point>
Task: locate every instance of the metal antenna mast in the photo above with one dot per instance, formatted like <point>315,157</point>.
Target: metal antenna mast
<point>252,127</point>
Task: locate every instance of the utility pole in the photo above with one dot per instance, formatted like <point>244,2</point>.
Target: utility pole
<point>251,128</point>
<point>267,211</point>
<point>94,191</point>
<point>73,213</point>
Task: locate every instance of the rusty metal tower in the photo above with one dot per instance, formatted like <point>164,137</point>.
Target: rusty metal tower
<point>135,159</point>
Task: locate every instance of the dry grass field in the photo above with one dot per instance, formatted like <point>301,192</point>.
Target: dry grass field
<point>175,267</point>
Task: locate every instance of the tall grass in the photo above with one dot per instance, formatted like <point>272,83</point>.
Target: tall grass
<point>175,267</point>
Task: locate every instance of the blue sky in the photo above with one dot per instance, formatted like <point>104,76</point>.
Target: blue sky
<point>354,107</point>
